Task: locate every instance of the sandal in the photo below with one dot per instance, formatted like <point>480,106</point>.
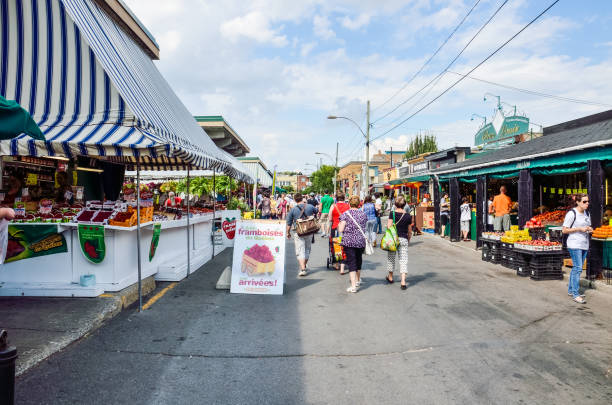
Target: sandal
<point>388,281</point>
<point>404,286</point>
<point>580,300</point>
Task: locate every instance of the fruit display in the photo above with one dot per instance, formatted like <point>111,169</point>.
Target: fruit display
<point>258,259</point>
<point>513,236</point>
<point>538,245</point>
<point>603,232</point>
<point>550,218</point>
<point>86,215</point>
<point>492,235</point>
<point>533,223</point>
<point>123,219</point>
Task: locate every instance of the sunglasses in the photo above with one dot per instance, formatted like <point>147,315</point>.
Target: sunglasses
<point>585,202</point>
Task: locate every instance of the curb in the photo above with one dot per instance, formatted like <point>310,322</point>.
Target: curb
<point>114,303</point>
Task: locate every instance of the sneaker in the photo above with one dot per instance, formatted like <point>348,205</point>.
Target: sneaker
<point>571,295</point>
<point>358,283</point>
<point>351,290</point>
<point>302,273</point>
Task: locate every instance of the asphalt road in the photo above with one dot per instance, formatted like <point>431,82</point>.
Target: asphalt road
<point>464,332</point>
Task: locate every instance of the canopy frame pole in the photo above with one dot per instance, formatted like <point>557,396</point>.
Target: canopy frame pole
<point>188,223</point>
<point>138,233</point>
<point>214,221</point>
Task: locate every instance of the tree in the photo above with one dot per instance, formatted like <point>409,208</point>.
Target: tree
<point>322,179</point>
<point>422,144</point>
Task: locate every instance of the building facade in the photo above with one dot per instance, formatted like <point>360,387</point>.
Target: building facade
<point>258,170</point>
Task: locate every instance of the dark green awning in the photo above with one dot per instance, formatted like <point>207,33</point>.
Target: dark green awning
<point>15,121</point>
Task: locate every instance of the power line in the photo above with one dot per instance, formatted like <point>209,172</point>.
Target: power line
<point>430,58</point>
<point>473,69</point>
<point>447,67</point>
<point>533,92</point>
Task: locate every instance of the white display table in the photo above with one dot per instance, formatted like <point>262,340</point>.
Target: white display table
<point>59,274</point>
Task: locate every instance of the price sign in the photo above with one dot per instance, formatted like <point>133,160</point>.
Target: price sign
<point>31,179</point>
<point>545,189</point>
<point>552,190</point>
<point>574,191</point>
<point>568,191</point>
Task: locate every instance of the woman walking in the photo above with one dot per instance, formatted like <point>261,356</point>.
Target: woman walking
<point>577,225</point>
<point>335,211</point>
<point>352,226</point>
<point>369,209</point>
<point>403,222</point>
<point>282,207</point>
<point>466,217</point>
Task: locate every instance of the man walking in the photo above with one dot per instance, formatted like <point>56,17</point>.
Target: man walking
<point>302,243</point>
<point>378,205</point>
<point>502,204</point>
<point>326,202</point>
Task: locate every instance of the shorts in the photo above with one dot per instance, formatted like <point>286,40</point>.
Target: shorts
<point>303,245</point>
<point>444,219</point>
<point>465,226</point>
<point>502,223</point>
<point>323,218</point>
<point>354,258</point>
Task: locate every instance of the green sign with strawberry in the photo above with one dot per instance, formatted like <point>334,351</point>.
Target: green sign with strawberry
<point>154,240</point>
<point>91,238</point>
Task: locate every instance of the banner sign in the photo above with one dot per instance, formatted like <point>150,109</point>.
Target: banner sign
<point>511,126</point>
<point>259,257</point>
<point>91,238</point>
<point>154,240</point>
<point>26,241</point>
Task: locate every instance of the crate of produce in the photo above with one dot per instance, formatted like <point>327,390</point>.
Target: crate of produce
<point>126,219</point>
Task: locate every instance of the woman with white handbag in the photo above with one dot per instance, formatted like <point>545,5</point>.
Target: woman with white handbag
<point>352,228</point>
<point>403,224</point>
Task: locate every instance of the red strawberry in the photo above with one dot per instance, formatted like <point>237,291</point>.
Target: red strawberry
<point>229,227</point>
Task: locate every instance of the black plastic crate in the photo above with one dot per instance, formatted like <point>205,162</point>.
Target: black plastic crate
<point>553,262</point>
<point>546,274</point>
<point>537,233</point>
<point>495,257</point>
<point>486,254</point>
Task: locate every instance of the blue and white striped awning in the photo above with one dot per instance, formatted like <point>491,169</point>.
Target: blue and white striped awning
<point>92,90</point>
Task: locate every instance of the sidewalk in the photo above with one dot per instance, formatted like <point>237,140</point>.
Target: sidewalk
<point>42,326</point>
<point>600,285</point>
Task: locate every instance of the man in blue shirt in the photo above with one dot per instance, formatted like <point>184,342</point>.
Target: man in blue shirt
<point>302,243</point>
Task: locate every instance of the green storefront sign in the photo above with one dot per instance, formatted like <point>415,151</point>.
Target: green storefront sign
<point>511,126</point>
<point>26,241</point>
<point>91,238</point>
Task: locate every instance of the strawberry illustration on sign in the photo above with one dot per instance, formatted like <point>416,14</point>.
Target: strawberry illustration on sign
<point>229,227</point>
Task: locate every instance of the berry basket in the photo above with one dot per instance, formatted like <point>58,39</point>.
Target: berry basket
<point>537,233</point>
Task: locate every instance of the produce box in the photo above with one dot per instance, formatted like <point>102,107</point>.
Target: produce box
<point>126,219</point>
<point>428,220</point>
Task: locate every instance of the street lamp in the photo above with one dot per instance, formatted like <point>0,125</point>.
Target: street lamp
<point>479,116</point>
<point>335,166</point>
<point>366,135</point>
<point>499,107</point>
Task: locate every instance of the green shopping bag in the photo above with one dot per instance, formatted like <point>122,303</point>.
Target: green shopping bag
<point>390,241</point>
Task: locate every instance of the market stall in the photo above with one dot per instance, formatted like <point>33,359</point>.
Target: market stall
<point>120,112</point>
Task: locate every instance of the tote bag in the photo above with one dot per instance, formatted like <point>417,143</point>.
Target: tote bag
<point>390,240</point>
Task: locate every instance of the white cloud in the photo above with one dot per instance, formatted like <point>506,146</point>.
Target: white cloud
<point>307,48</point>
<point>254,25</point>
<point>170,40</point>
<point>321,27</point>
<point>360,21</point>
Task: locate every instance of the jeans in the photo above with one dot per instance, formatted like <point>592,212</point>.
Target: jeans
<point>578,257</point>
<point>370,231</point>
<point>265,217</point>
<point>378,225</point>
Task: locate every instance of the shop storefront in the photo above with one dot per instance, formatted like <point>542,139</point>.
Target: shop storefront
<point>542,177</point>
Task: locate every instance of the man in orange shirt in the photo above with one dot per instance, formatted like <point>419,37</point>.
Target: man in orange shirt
<point>502,204</point>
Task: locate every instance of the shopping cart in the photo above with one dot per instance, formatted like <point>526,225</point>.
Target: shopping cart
<point>336,253</point>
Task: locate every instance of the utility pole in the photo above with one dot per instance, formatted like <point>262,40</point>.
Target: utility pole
<point>336,170</point>
<point>391,166</point>
<point>367,174</point>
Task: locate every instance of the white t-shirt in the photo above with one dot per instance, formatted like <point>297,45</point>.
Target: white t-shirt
<point>466,212</point>
<point>490,217</point>
<point>378,203</point>
<point>577,240</point>
<point>443,210</point>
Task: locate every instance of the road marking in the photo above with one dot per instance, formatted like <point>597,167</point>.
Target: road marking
<point>157,296</point>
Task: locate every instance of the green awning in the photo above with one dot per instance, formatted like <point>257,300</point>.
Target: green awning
<point>405,180</point>
<point>566,159</point>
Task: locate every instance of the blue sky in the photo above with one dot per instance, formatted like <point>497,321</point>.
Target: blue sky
<point>276,69</point>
